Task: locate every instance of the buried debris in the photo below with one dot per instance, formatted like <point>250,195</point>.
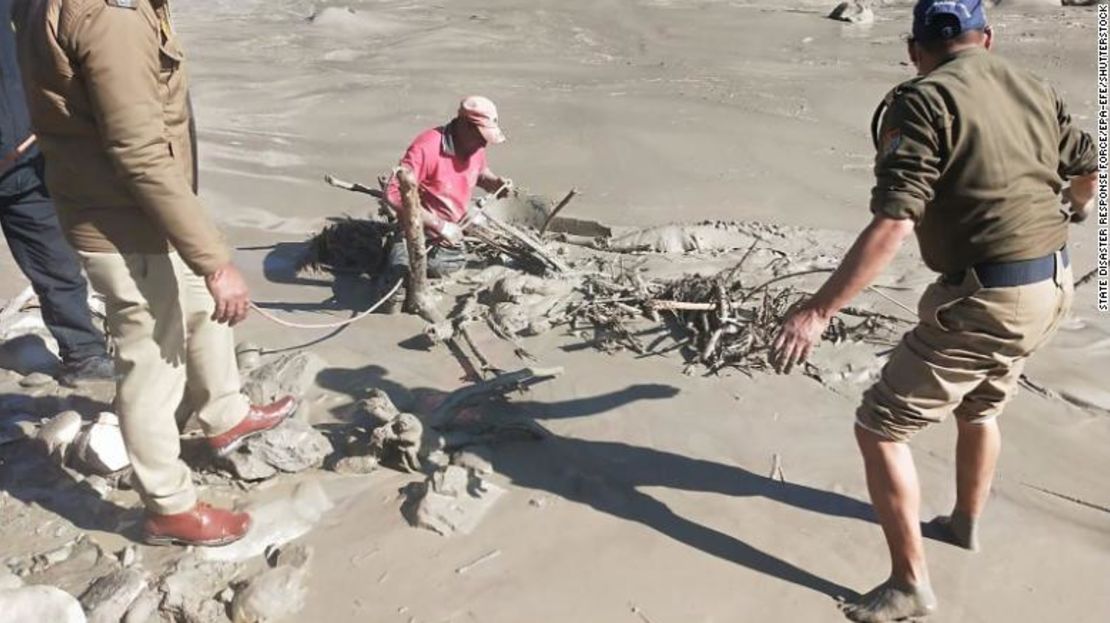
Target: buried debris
<point>452,500</point>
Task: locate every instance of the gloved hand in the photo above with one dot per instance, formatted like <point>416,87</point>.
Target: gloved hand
<point>450,233</point>
<point>475,216</point>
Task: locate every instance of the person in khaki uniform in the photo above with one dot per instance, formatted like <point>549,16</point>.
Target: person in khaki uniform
<point>973,156</point>
<point>108,97</point>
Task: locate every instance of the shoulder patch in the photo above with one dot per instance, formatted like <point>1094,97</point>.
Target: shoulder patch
<point>124,4</point>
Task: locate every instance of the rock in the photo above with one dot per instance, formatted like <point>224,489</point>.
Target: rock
<point>854,11</point>
<point>128,556</point>
<point>478,459</point>
<point>291,374</point>
<point>36,379</point>
<point>144,609</point>
<point>356,464</point>
<point>189,590</point>
<point>111,596</point>
<point>451,501</point>
<point>59,432</point>
<point>101,449</point>
<point>248,355</point>
<point>226,595</point>
<point>9,580</point>
<point>276,593</point>
<point>42,562</point>
<point>377,409</point>
<point>293,446</point>
<point>247,466</point>
<point>39,604</point>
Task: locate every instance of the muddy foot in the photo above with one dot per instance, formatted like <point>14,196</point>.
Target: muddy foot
<point>958,529</point>
<point>891,601</point>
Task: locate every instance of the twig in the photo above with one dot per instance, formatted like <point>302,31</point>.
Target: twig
<point>1068,498</point>
<point>488,557</point>
<point>559,208</point>
<point>331,180</point>
<point>1082,281</point>
<point>16,305</point>
<point>529,242</point>
<point>498,384</point>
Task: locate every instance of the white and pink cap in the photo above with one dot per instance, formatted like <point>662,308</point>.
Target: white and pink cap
<point>481,112</point>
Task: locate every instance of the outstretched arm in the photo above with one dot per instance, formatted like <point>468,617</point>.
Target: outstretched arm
<point>872,252</point>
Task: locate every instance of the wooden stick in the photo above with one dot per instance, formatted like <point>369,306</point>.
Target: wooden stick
<point>418,298</point>
<point>559,208</point>
<point>529,242</point>
<point>353,186</point>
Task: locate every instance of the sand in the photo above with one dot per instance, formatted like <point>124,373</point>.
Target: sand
<point>651,501</point>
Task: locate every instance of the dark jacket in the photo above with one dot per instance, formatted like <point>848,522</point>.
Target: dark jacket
<point>15,124</point>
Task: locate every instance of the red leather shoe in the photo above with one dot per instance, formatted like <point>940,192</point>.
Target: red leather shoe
<point>203,525</point>
<point>258,419</point>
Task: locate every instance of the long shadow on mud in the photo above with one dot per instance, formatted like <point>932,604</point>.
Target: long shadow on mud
<point>607,475</point>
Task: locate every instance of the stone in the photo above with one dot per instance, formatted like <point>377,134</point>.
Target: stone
<point>356,464</point>
<point>38,604</point>
<point>451,501</point>
<point>190,589</point>
<point>478,459</point>
<point>854,11</point>
<point>292,446</point>
<point>144,609</point>
<point>248,355</point>
<point>247,466</point>
<point>59,432</point>
<point>226,595</point>
<point>36,379</point>
<point>9,580</point>
<point>128,556</point>
<point>17,427</point>
<point>101,449</point>
<point>110,596</point>
<point>275,595</point>
<point>377,409</point>
<point>45,560</point>
<point>290,374</point>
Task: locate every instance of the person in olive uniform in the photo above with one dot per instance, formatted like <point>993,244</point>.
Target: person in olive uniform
<point>108,96</point>
<point>34,236</point>
<point>975,156</point>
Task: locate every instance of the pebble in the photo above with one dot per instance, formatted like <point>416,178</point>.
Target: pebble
<point>36,379</point>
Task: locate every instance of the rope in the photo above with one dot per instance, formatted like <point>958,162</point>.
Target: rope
<point>329,325</point>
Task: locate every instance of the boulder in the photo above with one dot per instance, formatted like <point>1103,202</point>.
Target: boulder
<point>291,374</point>
<point>37,604</point>
<point>111,596</point>
<point>101,449</point>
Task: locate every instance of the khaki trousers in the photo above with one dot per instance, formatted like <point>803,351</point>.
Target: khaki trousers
<point>966,354</point>
<point>168,349</point>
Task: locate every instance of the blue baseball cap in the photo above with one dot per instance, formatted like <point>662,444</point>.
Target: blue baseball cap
<point>938,20</point>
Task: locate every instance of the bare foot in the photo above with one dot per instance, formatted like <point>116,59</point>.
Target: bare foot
<point>891,601</point>
<point>959,529</point>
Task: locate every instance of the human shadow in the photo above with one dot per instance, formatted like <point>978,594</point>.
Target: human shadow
<point>607,476</point>
<point>30,475</point>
